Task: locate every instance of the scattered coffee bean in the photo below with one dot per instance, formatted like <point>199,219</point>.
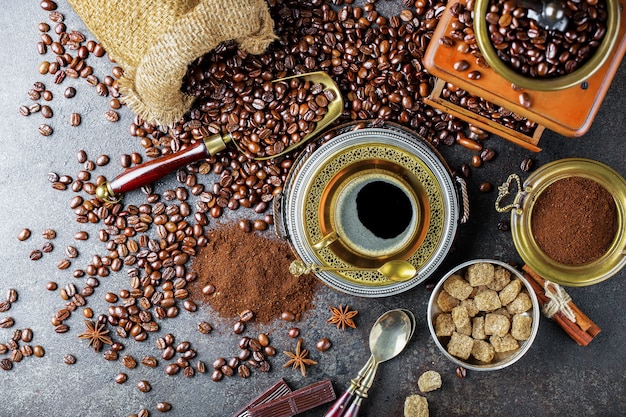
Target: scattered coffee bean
<point>485,187</point>
<point>111,116</point>
<point>526,165</point>
<point>163,406</point>
<point>69,92</point>
<point>323,344</point>
<point>144,386</point>
<point>69,359</point>
<point>23,234</point>
<point>287,316</point>
<point>51,286</point>
<point>75,119</point>
<point>293,332</point>
<point>204,327</point>
<point>461,372</point>
<point>45,130</point>
<point>121,378</point>
<point>6,364</point>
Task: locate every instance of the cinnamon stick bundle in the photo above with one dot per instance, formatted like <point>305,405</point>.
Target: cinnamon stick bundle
<point>582,329</point>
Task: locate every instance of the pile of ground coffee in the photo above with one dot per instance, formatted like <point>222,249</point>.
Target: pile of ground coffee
<point>574,220</point>
<point>250,271</point>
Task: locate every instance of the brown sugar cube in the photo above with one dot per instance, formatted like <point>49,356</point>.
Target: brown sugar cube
<point>521,304</point>
<point>483,351</point>
<point>460,345</point>
<point>429,381</point>
<point>501,278</point>
<point>521,326</point>
<point>446,302</point>
<point>460,316</point>
<point>415,406</point>
<point>457,287</point>
<point>466,330</point>
<point>470,306</point>
<point>487,300</point>
<point>478,328</point>
<point>497,324</point>
<point>505,343</point>
<point>508,293</point>
<point>480,274</point>
<point>444,325</point>
<point>503,311</point>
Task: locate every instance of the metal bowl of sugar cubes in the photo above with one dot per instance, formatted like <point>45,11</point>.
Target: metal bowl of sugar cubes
<point>483,315</point>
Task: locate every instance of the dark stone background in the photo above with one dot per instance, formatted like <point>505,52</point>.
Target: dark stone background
<point>555,377</point>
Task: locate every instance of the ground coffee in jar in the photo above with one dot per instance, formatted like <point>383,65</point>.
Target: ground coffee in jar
<point>574,220</point>
<point>250,271</point>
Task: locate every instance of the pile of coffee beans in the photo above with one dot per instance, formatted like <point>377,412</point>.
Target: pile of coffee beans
<point>267,119</point>
<point>487,109</point>
<point>534,51</point>
<point>18,346</point>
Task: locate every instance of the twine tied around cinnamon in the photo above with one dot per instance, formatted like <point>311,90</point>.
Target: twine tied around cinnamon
<point>559,301</point>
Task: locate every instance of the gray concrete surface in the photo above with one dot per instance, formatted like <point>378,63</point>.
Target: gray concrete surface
<point>556,377</point>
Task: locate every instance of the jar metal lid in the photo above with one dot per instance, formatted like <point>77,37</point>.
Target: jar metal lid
<point>521,209</point>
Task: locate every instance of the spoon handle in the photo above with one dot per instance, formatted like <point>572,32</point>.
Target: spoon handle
<point>343,403</point>
<point>153,170</point>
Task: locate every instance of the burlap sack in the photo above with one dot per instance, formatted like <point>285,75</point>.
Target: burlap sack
<point>155,40</point>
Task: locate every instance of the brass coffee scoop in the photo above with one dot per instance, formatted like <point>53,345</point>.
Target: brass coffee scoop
<point>148,172</point>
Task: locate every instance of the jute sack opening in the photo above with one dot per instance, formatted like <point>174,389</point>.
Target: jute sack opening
<point>155,40</point>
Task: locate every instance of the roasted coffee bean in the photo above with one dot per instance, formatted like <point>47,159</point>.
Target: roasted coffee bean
<point>121,378</point>
<point>485,187</point>
<point>23,234</point>
<point>526,165</point>
<point>69,92</point>
<point>293,332</point>
<point>144,386</point>
<point>102,160</point>
<point>461,372</point>
<point>172,369</point>
<point>38,351</point>
<point>12,295</point>
<point>239,327</point>
<point>6,364</point>
<point>524,99</point>
<point>149,361</point>
<point>45,130</point>
<point>129,362</point>
<point>461,65</point>
<point>48,5</point>
<point>287,316</point>
<point>69,359</point>
<point>110,355</point>
<point>6,322</point>
<point>74,119</point>
<point>246,315</point>
<point>82,235</point>
<point>487,154</point>
<point>323,344</point>
<point>204,327</point>
<point>163,406</point>
<point>111,116</point>
<point>4,306</point>
<point>215,376</point>
<point>504,225</point>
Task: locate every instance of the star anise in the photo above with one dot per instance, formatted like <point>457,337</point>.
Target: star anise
<point>299,359</point>
<point>96,334</point>
<point>342,317</point>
